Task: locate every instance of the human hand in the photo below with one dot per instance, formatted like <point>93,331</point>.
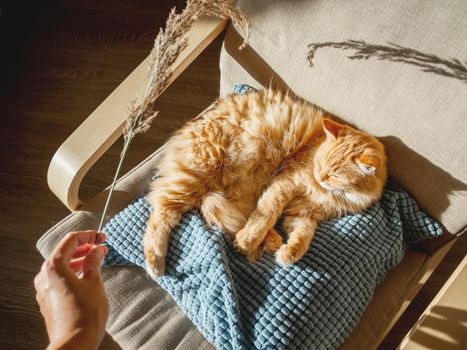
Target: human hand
<point>71,294</point>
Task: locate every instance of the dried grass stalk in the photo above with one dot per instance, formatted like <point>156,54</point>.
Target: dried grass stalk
<point>168,45</point>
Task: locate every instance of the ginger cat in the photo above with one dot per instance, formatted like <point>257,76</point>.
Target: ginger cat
<point>254,157</point>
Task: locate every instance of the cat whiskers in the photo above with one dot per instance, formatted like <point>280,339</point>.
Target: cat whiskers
<point>337,192</point>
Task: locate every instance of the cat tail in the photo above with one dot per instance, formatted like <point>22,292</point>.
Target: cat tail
<point>218,210</point>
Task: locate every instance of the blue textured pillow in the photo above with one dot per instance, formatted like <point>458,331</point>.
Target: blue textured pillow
<point>313,304</point>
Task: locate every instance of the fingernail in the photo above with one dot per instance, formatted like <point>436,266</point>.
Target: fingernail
<point>98,251</point>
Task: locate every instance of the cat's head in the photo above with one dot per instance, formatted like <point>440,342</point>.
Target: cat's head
<point>349,160</point>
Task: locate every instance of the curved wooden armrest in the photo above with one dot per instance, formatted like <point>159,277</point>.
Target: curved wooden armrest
<point>103,127</point>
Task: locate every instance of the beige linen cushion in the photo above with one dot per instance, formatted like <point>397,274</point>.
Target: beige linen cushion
<point>421,117</point>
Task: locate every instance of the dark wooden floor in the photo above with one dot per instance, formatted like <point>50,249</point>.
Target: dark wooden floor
<point>60,59</point>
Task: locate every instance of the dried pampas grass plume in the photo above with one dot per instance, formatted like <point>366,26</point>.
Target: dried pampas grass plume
<point>168,45</point>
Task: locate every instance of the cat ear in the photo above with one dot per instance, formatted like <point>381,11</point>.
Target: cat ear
<point>331,128</point>
<point>368,162</point>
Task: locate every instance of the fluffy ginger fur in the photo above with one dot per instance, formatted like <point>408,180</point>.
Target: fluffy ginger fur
<point>254,157</point>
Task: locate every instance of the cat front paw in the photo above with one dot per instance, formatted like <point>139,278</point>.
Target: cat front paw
<point>253,256</point>
<point>288,254</point>
<point>245,243</point>
<point>272,242</point>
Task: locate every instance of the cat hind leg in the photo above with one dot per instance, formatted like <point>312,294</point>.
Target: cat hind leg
<point>169,198</point>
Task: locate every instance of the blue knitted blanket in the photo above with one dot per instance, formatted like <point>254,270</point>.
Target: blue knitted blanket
<point>313,304</point>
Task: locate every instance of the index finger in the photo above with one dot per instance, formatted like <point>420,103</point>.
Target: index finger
<point>68,245</point>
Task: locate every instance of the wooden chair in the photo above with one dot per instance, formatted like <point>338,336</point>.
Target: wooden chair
<point>104,126</point>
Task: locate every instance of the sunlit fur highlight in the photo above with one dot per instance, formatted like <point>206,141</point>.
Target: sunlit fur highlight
<point>254,157</point>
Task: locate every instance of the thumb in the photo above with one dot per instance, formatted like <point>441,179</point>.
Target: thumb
<point>92,261</point>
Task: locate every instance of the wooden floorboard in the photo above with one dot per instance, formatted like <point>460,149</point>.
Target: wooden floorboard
<point>66,57</point>
<point>63,58</point>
